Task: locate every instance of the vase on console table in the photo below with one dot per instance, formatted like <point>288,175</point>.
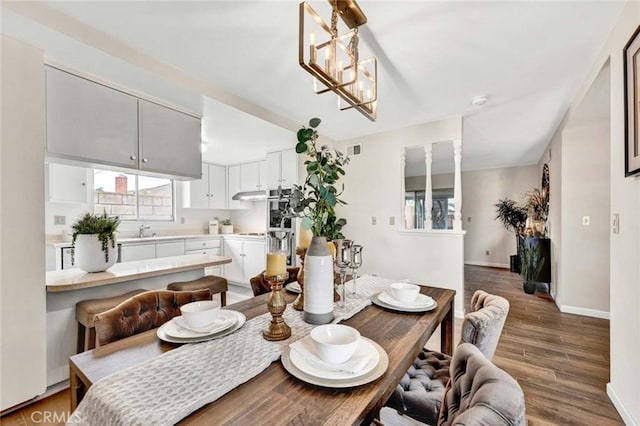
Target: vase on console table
<point>318,282</point>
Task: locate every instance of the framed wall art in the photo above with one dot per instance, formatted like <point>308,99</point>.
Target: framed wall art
<point>631,56</point>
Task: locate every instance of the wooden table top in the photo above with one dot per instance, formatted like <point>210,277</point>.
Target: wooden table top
<point>276,397</point>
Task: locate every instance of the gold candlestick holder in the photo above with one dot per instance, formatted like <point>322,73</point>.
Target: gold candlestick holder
<point>298,305</point>
<point>278,329</point>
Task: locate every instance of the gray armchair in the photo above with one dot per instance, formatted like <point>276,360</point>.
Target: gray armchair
<point>420,392</point>
<point>480,393</point>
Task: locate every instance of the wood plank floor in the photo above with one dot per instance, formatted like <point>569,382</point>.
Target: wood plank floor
<point>560,360</point>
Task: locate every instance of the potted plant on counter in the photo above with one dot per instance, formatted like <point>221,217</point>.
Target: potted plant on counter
<point>226,226</point>
<point>94,242</point>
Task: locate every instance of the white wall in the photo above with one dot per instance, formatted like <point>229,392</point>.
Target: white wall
<point>22,263</point>
<point>624,276</point>
<point>373,185</point>
<point>481,189</point>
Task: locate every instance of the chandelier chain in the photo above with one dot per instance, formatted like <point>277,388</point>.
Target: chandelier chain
<point>353,45</point>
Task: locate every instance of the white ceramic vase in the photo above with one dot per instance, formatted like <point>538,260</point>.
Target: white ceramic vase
<point>318,282</point>
<point>89,256</point>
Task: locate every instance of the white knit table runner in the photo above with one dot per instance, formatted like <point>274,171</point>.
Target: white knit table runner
<point>169,387</point>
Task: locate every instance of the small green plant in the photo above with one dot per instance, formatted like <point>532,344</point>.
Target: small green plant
<point>102,225</point>
<point>315,201</point>
<point>226,222</point>
<point>532,260</point>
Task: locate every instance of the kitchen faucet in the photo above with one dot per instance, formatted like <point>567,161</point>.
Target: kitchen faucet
<point>142,228</point>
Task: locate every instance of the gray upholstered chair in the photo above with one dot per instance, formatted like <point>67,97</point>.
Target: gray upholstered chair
<point>419,394</point>
<point>479,393</point>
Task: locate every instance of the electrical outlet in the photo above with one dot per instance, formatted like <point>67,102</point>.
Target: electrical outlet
<point>586,220</point>
<point>487,252</point>
<point>469,219</point>
<point>392,220</point>
<point>182,220</point>
<point>373,220</point>
<point>59,220</point>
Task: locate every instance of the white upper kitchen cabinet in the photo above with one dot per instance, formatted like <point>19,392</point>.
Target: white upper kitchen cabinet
<point>210,192</point>
<point>88,121</point>
<point>250,176</point>
<point>282,168</point>
<point>169,141</point>
<point>67,184</point>
<point>233,186</point>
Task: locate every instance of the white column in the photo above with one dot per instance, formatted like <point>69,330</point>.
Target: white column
<point>403,159</point>
<point>457,185</point>
<point>428,193</point>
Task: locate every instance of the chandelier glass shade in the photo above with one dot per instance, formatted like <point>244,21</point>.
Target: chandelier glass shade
<point>330,54</point>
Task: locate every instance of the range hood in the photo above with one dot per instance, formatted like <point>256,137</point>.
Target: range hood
<point>250,196</point>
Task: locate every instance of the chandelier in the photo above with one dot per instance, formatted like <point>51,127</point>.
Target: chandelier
<point>330,54</point>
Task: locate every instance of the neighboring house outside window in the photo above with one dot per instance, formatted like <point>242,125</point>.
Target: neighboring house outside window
<point>133,197</point>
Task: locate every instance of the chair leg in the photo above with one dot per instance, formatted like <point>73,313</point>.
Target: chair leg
<point>80,345</point>
<point>91,339</point>
<point>223,298</point>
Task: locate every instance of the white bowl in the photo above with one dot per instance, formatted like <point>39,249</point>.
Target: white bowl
<point>405,292</point>
<point>200,314</point>
<point>335,343</point>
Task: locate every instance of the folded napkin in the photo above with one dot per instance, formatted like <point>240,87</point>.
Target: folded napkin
<point>356,364</point>
<point>294,286</point>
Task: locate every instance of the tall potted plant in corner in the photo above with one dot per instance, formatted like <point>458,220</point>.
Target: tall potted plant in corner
<point>94,242</point>
<point>532,262</point>
<point>514,218</point>
<point>315,203</point>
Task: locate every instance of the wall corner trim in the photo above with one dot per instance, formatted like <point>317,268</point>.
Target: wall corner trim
<point>567,309</point>
<point>617,403</point>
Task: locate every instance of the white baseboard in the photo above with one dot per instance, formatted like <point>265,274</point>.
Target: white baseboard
<point>584,312</point>
<point>615,400</point>
<point>491,264</point>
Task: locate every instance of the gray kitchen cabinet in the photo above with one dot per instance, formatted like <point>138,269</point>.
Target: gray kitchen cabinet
<point>89,121</point>
<point>233,186</point>
<point>282,168</point>
<point>210,192</point>
<point>169,141</point>
<point>67,184</point>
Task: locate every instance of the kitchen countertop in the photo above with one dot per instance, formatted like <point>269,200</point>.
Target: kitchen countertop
<point>75,279</point>
<point>160,238</point>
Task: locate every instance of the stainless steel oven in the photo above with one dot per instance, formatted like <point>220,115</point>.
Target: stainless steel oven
<point>276,222</point>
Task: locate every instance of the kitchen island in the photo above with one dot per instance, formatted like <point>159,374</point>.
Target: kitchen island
<point>67,287</point>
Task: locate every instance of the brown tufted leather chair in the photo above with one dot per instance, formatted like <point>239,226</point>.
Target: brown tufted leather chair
<point>143,312</point>
<point>260,286</point>
<point>419,394</point>
<point>480,393</point>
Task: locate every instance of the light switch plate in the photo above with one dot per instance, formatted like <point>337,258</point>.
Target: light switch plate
<point>392,220</point>
<point>616,223</point>
<point>586,220</point>
<point>373,220</point>
<point>59,220</point>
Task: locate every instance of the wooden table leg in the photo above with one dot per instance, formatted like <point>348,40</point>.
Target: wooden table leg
<point>77,387</point>
<point>446,331</point>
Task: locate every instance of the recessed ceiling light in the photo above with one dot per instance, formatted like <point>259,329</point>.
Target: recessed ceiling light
<point>479,100</point>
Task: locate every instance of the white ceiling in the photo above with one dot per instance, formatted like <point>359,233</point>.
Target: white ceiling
<point>529,58</point>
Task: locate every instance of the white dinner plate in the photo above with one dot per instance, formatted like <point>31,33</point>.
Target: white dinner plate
<point>365,349</point>
<point>178,327</point>
<point>421,301</point>
<point>239,322</point>
<point>293,287</point>
<point>378,370</point>
<point>376,301</point>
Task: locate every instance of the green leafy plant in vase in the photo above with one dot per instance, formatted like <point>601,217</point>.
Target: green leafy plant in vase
<point>92,235</point>
<point>532,263</point>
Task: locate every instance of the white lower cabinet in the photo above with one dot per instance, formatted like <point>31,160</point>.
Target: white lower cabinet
<point>175,248</point>
<point>247,260</point>
<point>131,252</point>
<point>209,246</point>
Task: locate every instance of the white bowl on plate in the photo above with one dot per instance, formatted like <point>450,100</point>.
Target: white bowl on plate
<point>200,314</point>
<point>405,292</point>
<point>335,343</point>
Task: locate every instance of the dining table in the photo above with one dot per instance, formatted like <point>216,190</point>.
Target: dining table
<point>275,396</point>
